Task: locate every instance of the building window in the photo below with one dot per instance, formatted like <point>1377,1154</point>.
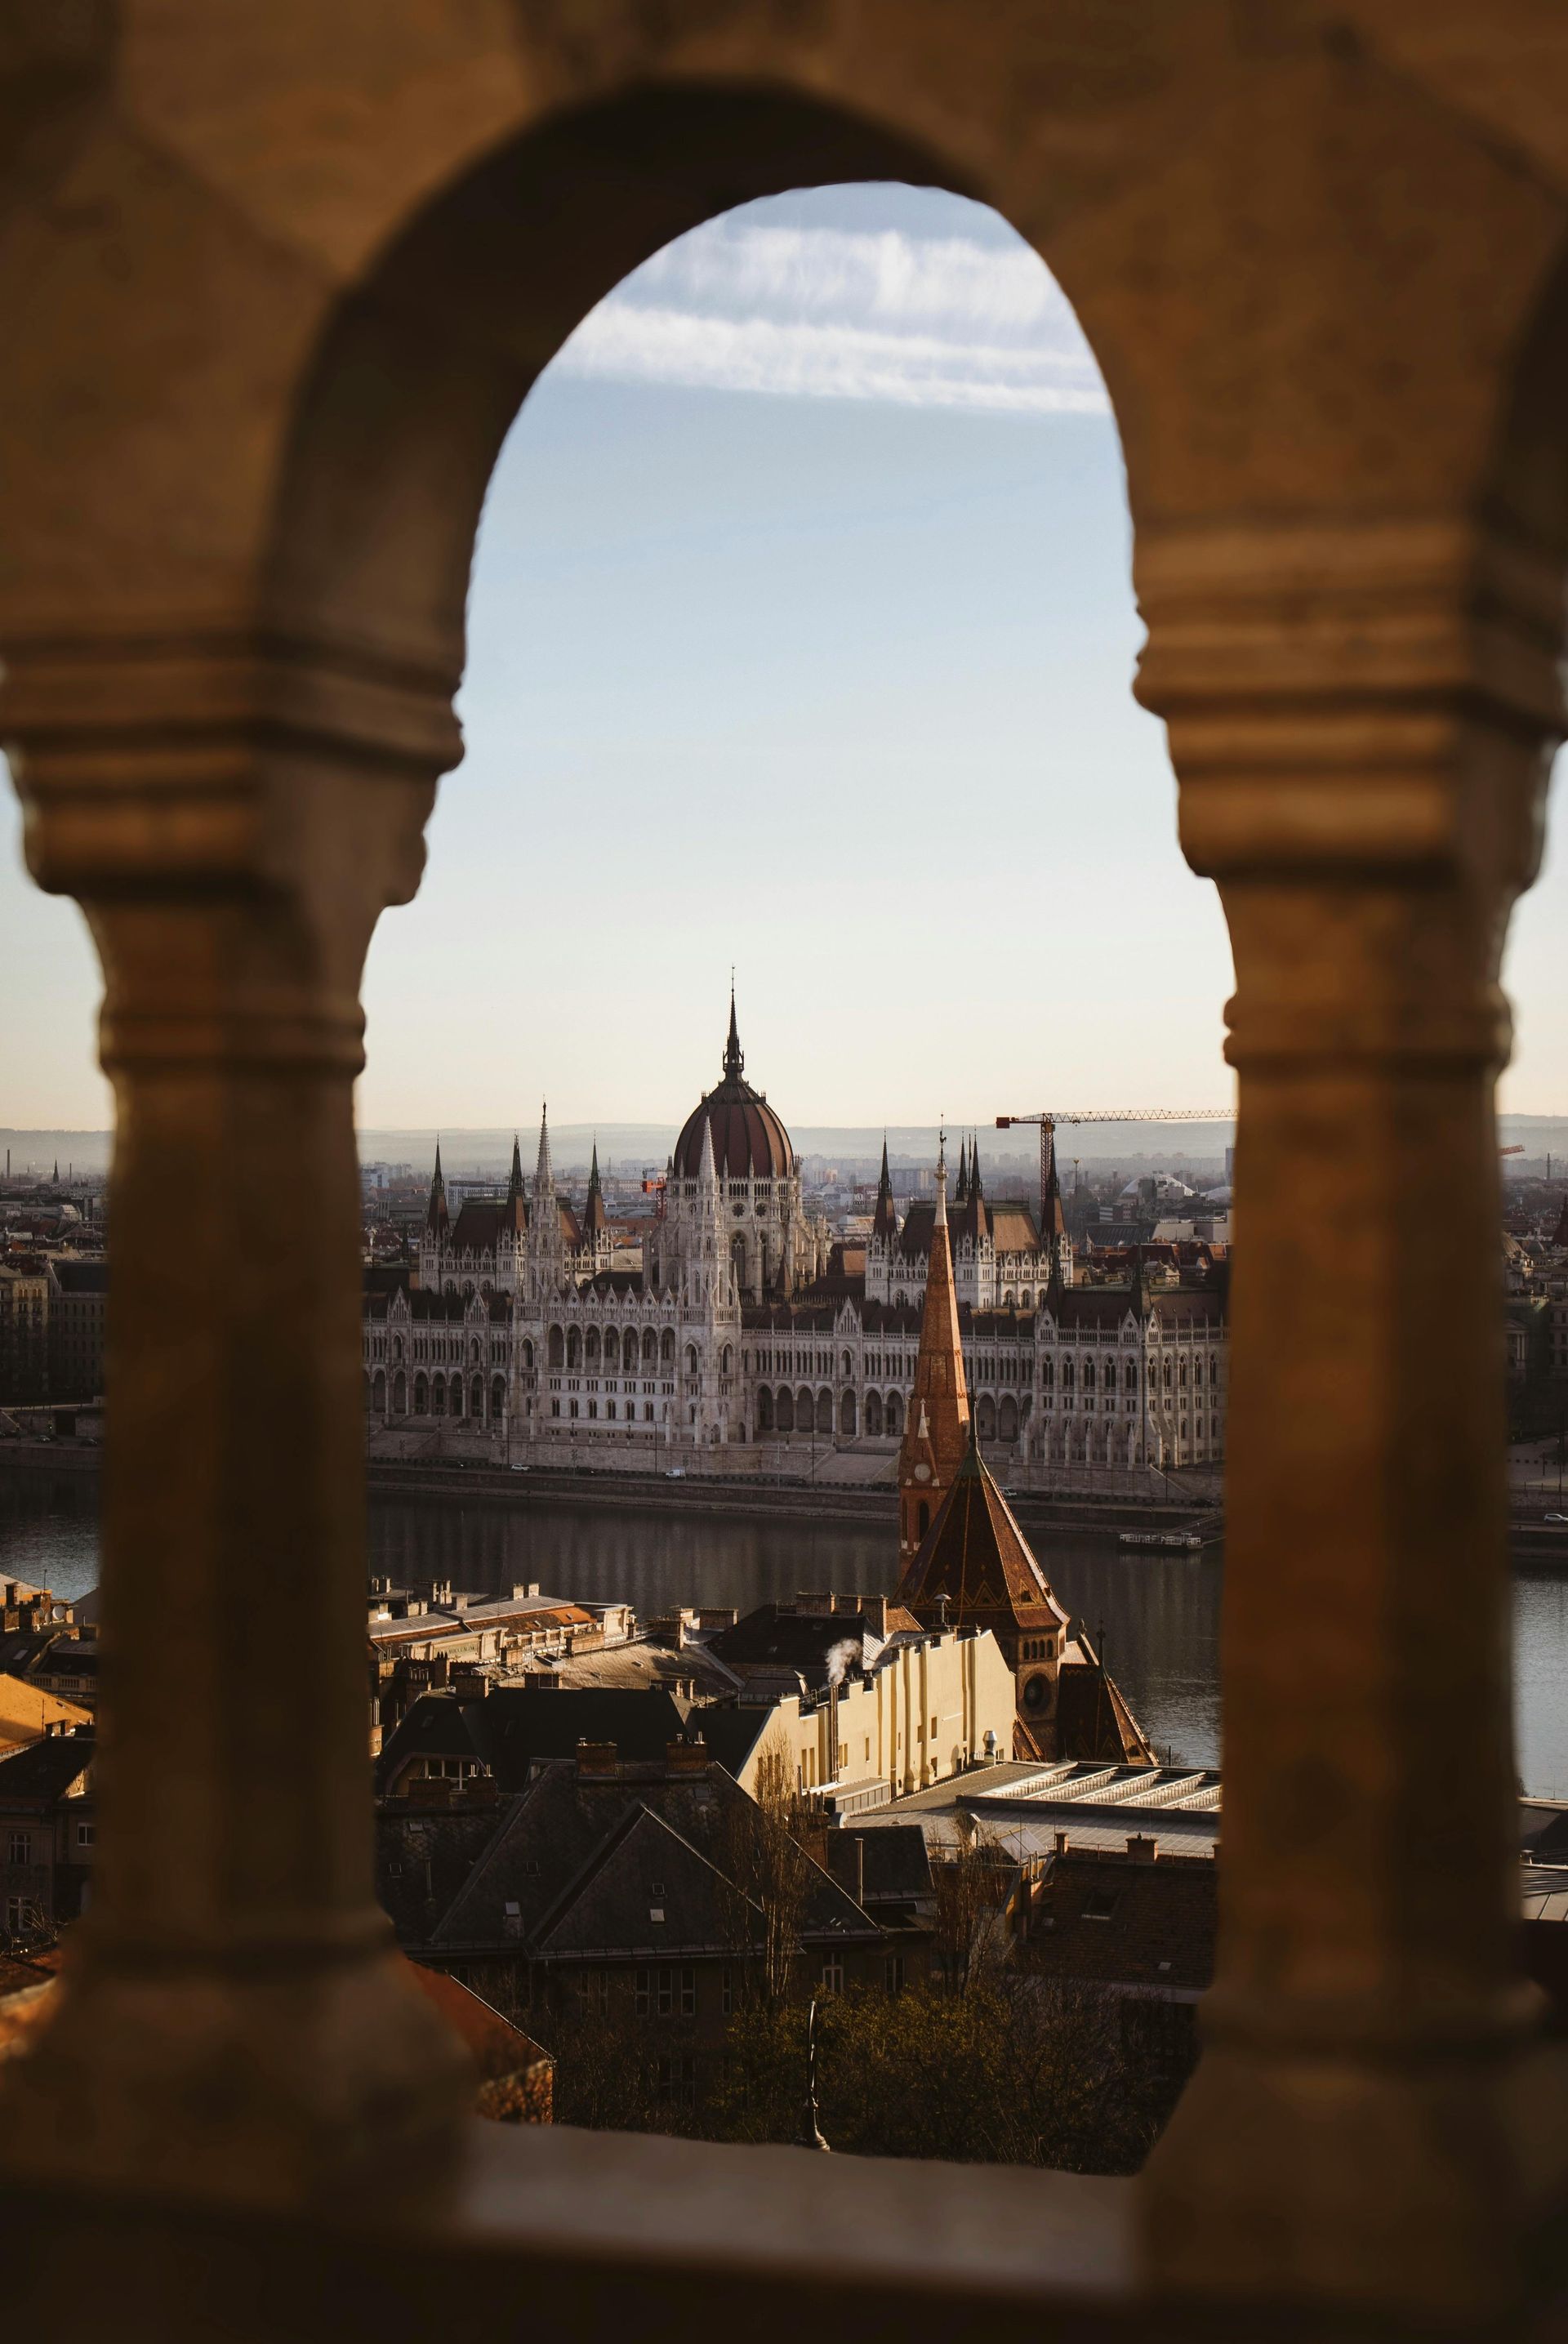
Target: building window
<point>727,1991</point>
<point>893,1971</point>
<point>832,1974</point>
<point>641,1993</point>
<point>84,1834</point>
<point>21,1847</point>
<point>688,1993</point>
<point>666,1993</point>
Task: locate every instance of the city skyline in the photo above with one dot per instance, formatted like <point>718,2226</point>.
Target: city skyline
<point>801,639</point>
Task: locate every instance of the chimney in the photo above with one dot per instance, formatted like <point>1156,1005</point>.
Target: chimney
<point>683,1757</point>
<point>1142,1850</point>
<point>1060,1838</point>
<point>860,1868</point>
<point>599,1758</point>
<point>832,1774</point>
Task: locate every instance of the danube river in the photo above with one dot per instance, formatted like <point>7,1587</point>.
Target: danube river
<point>1161,1615</point>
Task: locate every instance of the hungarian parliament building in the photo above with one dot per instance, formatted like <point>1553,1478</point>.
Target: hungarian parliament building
<point>747,1323</point>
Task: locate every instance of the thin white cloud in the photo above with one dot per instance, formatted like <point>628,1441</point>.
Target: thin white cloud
<point>823,313</point>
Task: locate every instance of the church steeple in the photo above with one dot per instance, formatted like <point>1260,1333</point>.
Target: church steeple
<point>514,1212</point>
<point>595,1220</point>
<point>885,1220</point>
<point>961,1193</point>
<point>543,1174</point>
<point>937,1430</point>
<point>437,1219</point>
<point>735,1056</point>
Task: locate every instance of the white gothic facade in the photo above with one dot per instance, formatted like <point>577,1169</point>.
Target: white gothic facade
<point>744,1326</point>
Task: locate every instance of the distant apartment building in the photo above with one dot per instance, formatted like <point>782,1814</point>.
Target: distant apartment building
<point>25,1294</point>
<point>79,1297</point>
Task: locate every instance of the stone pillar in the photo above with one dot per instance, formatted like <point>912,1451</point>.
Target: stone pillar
<point>1361,722</point>
<point>235,2020</point>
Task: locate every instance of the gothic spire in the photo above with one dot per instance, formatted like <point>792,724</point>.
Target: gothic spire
<point>975,1192</point>
<point>436,1215</point>
<point>940,1400</point>
<point>514,1185</point>
<point>544,1175</point>
<point>594,1218</point>
<point>885,1221</point>
<point>961,1193</point>
<point>735,1056</point>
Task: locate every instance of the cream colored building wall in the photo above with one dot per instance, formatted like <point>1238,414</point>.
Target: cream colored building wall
<point>924,1715</point>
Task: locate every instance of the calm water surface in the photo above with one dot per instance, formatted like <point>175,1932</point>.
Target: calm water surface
<point>1160,1617</point>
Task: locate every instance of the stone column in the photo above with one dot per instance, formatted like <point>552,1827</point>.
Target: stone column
<point>1361,720</point>
<point>235,2020</point>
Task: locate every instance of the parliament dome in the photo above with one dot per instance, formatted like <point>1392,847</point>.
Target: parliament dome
<point>750,1143</point>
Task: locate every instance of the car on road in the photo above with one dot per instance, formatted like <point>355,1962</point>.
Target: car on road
<point>1554,1518</point>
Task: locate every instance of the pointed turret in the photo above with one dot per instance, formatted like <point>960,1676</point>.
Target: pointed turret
<point>885,1220</point>
<point>514,1212</point>
<point>940,1400</point>
<point>961,1190</point>
<point>437,1219</point>
<point>735,1056</point>
<point>595,1220</point>
<point>544,1173</point>
<point>976,1193</point>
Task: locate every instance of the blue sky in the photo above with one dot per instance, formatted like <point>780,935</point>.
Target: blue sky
<point>800,636</point>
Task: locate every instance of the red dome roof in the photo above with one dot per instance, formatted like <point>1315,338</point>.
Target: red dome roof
<point>749,1140</point>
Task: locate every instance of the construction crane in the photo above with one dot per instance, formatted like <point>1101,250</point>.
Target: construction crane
<point>1048,1118</point>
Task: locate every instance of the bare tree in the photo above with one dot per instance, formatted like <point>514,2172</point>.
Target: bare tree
<point>769,1872</point>
<point>972,1887</point>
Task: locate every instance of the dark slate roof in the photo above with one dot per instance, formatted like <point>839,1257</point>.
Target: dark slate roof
<point>645,1868</point>
<point>514,1727</point>
<point>44,1770</point>
<point>387,1278</point>
<point>895,1863</point>
<point>1112,1919</point>
<point>423,1856</point>
<point>81,1276</point>
<point>798,1641</point>
<point>558,1841</point>
<point>434,1726</point>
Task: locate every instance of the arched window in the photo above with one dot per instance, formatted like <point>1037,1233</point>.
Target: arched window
<point>873,1415</point>
<point>400,1394</point>
<point>476,1397</point>
<point>824,1412</point>
<point>727,1360</point>
<point>611,1349</point>
<point>557,1348</point>
<point>497,1398</point>
<point>846,1414</point>
<point>455,1393</point>
<point>1182,1374</point>
<point>1089,1375</point>
<point>785,1411</point>
<point>765,1411</point>
<point>1047,1373</point>
<point>396,1346</point>
<point>1007,1419</point>
<point>1110,1375</point>
<point>421,1396</point>
<point>592,1346</point>
<point>438,1395</point>
<point>894,1425</point>
<point>846,1365</point>
<point>667,1347</point>
<point>1067,1375</point>
<point>527,1352</point>
<point>378,1393</point>
<point>1165,1378</point>
<point>573,1347</point>
<point>691,1358</point>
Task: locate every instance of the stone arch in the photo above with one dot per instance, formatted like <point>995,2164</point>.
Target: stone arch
<point>557,1348</point>
<point>846,1413</point>
<point>591,1347</point>
<point>667,1347</point>
<point>650,1347</point>
<point>400,1394</point>
<point>894,1420</point>
<point>611,1349</point>
<point>691,1358</point>
<point>804,1410</point>
<point>497,1398</point>
<point>874,1414</point>
<point>476,1397</point>
<point>825,1411</point>
<point>727,1360</point>
<point>378,1393</point>
<point>528,1352</point>
<point>573,1348</point>
<point>438,1395</point>
<point>764,1410</point>
<point>785,1411</point>
<point>985,1417</point>
<point>455,1395</point>
<point>1007,1418</point>
<point>421,1395</point>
